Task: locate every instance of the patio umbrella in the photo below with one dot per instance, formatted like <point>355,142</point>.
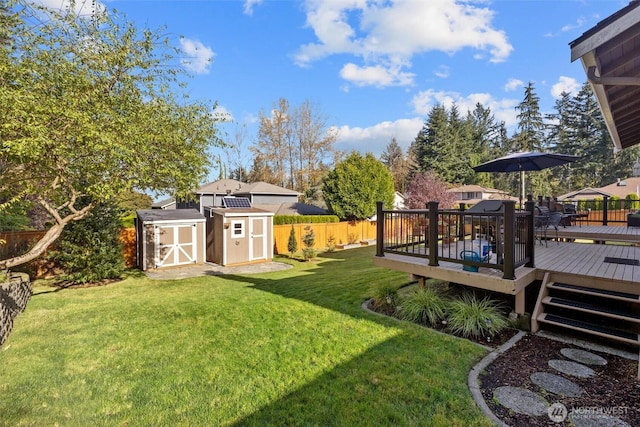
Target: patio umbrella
<point>525,161</point>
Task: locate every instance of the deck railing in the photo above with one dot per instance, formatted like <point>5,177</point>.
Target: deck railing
<point>598,211</point>
<point>502,240</point>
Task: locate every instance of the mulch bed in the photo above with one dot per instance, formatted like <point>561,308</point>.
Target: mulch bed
<point>613,388</point>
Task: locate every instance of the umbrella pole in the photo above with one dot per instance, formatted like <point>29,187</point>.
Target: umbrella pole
<point>521,187</point>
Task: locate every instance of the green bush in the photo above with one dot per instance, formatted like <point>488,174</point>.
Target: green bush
<point>90,250</point>
<point>425,305</point>
<point>292,245</point>
<point>303,219</point>
<point>633,201</point>
<point>614,203</point>
<point>309,241</point>
<point>473,317</point>
<point>385,296</point>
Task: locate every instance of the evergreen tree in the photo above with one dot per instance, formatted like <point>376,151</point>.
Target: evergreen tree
<point>394,159</point>
<point>292,245</point>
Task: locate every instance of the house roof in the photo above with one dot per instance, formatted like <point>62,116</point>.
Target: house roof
<point>161,204</point>
<point>263,188</point>
<point>219,187</point>
<point>584,193</point>
<point>623,187</point>
<point>619,188</point>
<point>149,215</point>
<point>294,208</point>
<point>610,55</point>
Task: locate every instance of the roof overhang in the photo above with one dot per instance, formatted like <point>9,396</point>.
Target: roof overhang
<point>610,55</point>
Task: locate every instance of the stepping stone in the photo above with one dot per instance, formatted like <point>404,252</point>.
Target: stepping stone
<point>571,368</point>
<point>521,401</point>
<point>583,356</point>
<point>595,420</point>
<point>556,384</point>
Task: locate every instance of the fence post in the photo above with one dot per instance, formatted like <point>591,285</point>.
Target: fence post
<point>605,210</point>
<point>509,241</point>
<point>379,229</point>
<point>433,233</point>
<point>461,229</point>
<point>530,241</point>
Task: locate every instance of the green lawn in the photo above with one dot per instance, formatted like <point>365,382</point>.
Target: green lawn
<point>285,348</point>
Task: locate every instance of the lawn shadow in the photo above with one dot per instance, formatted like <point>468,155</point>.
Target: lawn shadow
<point>396,382</point>
<point>339,281</point>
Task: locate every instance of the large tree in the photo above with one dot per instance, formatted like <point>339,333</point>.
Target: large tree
<point>91,106</point>
<point>295,144</point>
<point>353,187</point>
<point>398,164</point>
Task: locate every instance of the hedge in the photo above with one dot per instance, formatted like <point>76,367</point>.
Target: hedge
<point>303,219</point>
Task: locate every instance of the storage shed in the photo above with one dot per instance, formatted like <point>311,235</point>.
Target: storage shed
<point>237,236</point>
<point>169,238</point>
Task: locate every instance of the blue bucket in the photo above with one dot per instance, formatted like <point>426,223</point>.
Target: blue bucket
<point>470,256</point>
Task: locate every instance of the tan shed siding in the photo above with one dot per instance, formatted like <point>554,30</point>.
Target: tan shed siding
<point>149,246</point>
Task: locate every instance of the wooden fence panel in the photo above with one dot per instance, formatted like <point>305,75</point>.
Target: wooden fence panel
<point>342,233</point>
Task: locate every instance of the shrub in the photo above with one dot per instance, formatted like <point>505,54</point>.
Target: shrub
<point>425,306</point>
<point>473,317</point>
<point>385,297</point>
<point>331,243</point>
<point>90,249</point>
<point>303,219</point>
<point>632,201</point>
<point>292,245</point>
<point>309,241</point>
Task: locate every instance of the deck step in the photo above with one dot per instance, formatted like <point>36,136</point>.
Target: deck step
<point>590,328</point>
<point>592,308</point>
<point>622,296</point>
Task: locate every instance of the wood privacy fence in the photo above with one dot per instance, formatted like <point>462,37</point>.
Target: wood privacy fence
<point>342,233</point>
<point>19,242</point>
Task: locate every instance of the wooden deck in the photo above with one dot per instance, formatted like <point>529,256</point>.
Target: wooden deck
<point>573,262</point>
<point>599,233</point>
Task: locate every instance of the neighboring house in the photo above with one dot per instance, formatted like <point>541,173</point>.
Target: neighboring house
<point>164,204</point>
<point>262,195</point>
<point>621,188</point>
<point>472,194</point>
<point>399,200</point>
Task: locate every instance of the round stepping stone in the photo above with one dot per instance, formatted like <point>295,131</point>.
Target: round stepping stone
<point>571,368</point>
<point>521,401</point>
<point>556,384</point>
<point>583,356</point>
<point>595,420</point>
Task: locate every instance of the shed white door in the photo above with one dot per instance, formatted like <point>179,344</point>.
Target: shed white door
<point>175,245</point>
<point>257,238</point>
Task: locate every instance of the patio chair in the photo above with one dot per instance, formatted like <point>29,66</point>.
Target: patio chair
<point>541,222</point>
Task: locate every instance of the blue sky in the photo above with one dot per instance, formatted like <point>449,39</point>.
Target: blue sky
<point>374,68</point>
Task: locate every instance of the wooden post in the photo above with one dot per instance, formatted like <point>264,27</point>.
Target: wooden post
<point>433,233</point>
<point>379,229</point>
<point>509,241</point>
<point>530,242</point>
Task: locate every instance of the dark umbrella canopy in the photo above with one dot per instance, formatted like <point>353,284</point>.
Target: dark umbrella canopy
<point>525,161</point>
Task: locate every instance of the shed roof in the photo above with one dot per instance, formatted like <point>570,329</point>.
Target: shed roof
<point>152,215</point>
<point>610,55</point>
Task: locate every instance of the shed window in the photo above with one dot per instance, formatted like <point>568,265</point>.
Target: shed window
<point>237,229</point>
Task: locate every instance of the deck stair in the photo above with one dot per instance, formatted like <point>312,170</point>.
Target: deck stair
<point>603,313</point>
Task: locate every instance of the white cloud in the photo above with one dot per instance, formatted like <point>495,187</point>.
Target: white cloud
<point>374,139</point>
<point>248,6</point>
<point>502,109</point>
<point>442,71</point>
<point>198,57</point>
<point>376,75</point>
<point>565,84</point>
<point>578,24</point>
<point>383,33</point>
<point>513,84</point>
<point>80,8</point>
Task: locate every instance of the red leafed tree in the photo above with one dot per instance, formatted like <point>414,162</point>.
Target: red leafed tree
<point>428,187</point>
